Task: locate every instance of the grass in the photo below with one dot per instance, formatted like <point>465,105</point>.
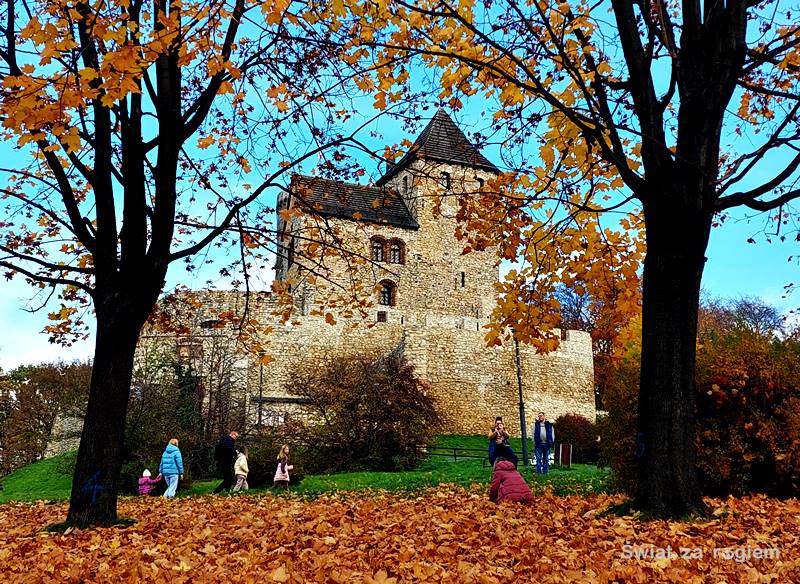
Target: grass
<point>48,479</point>
<point>51,479</point>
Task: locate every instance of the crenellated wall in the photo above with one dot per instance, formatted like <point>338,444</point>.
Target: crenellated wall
<point>472,383</point>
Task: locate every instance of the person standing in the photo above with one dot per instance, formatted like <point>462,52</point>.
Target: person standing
<point>240,469</point>
<point>224,454</point>
<point>499,444</point>
<point>281,480</point>
<point>543,439</point>
<point>171,467</point>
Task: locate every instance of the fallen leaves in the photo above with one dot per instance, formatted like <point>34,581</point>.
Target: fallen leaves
<point>443,535</point>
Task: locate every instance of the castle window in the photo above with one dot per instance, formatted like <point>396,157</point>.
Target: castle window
<point>405,185</point>
<point>388,293</point>
<point>210,324</point>
<point>378,249</point>
<point>291,251</point>
<point>189,349</point>
<point>463,279</point>
<point>382,316</point>
<point>397,252</point>
<point>481,182</point>
<point>446,181</point>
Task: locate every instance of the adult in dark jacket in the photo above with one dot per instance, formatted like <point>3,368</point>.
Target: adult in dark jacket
<point>508,484</point>
<point>543,439</point>
<point>225,454</point>
<point>171,467</point>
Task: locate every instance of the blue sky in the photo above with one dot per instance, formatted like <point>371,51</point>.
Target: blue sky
<point>734,268</point>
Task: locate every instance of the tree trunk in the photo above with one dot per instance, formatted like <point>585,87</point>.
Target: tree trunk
<point>100,455</point>
<point>677,237</point>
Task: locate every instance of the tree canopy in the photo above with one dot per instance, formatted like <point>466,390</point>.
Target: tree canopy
<point>680,110</point>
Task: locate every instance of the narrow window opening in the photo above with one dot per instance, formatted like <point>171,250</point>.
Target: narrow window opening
<point>381,316</point>
<point>463,279</point>
<point>388,293</point>
<point>378,249</point>
<point>446,180</point>
<point>290,259</point>
<point>402,320</point>
<point>405,185</point>
<point>397,252</point>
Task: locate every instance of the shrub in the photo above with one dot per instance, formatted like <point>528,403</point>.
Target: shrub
<point>618,427</point>
<point>581,433</point>
<point>367,415</point>
<point>748,404</point>
<point>748,412</point>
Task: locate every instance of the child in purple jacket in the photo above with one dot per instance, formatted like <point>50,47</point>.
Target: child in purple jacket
<point>146,484</point>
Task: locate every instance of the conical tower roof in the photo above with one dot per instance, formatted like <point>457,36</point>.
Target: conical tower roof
<point>442,141</point>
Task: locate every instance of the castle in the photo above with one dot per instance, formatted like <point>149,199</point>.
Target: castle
<point>425,298</point>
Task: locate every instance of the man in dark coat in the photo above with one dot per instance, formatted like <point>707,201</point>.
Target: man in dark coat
<point>508,484</point>
<point>225,454</point>
<point>543,439</point>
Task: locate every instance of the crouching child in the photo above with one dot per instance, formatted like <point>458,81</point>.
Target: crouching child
<point>508,484</point>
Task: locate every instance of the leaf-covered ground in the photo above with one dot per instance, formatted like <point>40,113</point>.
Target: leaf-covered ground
<point>444,535</point>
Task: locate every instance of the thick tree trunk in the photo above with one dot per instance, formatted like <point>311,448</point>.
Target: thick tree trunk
<point>676,244</point>
<point>100,454</point>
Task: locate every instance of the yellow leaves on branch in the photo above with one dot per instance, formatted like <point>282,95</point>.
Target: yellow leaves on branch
<point>49,92</point>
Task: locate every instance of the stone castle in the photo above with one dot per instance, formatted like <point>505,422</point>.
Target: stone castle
<point>425,298</point>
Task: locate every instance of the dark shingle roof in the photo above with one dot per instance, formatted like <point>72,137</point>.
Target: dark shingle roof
<point>441,140</point>
<point>352,201</point>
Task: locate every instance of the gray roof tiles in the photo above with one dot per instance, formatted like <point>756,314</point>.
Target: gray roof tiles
<point>441,140</point>
<point>352,201</point>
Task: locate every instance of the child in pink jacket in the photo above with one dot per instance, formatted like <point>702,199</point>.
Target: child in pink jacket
<point>281,480</point>
<point>146,484</point>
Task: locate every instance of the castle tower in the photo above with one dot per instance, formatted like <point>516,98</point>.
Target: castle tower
<point>406,226</point>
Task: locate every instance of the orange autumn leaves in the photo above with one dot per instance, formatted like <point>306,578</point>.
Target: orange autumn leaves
<point>443,535</point>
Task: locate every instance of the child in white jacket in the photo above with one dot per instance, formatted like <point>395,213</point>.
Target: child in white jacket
<point>240,469</point>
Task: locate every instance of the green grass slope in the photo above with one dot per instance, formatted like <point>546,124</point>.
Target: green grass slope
<point>51,479</point>
<point>48,479</point>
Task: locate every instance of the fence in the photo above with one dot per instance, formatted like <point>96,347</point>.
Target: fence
<point>561,453</point>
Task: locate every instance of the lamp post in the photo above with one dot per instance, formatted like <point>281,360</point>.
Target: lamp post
<point>260,393</point>
<point>523,433</point>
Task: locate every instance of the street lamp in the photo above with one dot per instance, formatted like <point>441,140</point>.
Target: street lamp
<point>522,423</point>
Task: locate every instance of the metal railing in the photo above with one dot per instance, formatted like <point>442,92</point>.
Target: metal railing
<point>561,453</point>
<point>456,452</point>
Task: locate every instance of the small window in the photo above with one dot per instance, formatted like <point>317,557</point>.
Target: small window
<point>381,316</point>
<point>463,279</point>
<point>481,182</point>
<point>388,293</point>
<point>378,249</point>
<point>210,324</point>
<point>446,180</point>
<point>397,252</point>
<point>405,185</point>
<point>291,251</point>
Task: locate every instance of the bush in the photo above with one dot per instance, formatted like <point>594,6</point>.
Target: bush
<point>748,413</point>
<point>581,433</point>
<point>367,416</point>
<point>748,404</point>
